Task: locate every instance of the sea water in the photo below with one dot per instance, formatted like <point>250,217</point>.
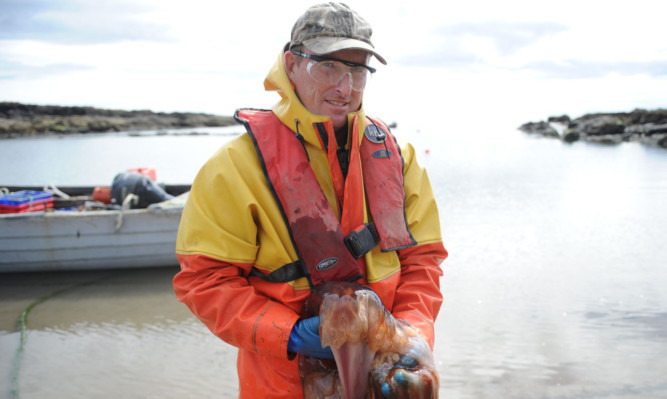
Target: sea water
<point>554,287</point>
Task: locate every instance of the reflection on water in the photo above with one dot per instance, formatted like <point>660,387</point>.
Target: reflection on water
<point>555,287</point>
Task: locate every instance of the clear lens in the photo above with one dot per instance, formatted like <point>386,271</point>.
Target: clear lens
<point>332,72</point>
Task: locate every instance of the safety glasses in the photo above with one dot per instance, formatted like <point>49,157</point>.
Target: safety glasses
<point>329,70</point>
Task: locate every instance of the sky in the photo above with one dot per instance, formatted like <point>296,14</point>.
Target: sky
<point>448,62</point>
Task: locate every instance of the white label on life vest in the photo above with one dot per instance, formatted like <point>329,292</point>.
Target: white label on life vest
<point>326,264</point>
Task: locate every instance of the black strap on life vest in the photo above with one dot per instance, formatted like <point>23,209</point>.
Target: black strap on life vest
<point>362,240</point>
<point>283,274</point>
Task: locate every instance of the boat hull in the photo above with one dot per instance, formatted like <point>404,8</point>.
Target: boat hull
<point>50,241</point>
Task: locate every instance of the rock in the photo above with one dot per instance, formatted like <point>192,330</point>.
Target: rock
<point>570,135</point>
<point>651,129</point>
<point>541,128</point>
<point>18,120</point>
<point>601,125</point>
<point>644,126</point>
<point>564,119</point>
<point>642,116</point>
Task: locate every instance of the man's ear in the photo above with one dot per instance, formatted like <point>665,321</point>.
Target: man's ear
<point>290,63</point>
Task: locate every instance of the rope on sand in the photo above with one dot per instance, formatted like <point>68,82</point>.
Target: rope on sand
<point>23,329</point>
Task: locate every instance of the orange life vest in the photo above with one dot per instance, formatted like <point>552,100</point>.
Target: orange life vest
<point>325,252</point>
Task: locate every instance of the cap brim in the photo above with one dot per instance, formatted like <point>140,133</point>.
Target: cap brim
<point>326,45</point>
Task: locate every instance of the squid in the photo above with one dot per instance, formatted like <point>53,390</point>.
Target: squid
<point>375,354</point>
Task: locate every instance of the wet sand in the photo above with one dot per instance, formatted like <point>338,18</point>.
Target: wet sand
<point>98,334</point>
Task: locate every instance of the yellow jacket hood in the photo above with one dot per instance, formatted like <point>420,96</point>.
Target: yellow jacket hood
<point>290,109</point>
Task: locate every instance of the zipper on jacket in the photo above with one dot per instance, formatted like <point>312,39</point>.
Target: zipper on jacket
<point>324,136</point>
<point>302,140</point>
<point>344,160</point>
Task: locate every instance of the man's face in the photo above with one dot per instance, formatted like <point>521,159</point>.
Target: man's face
<point>335,100</point>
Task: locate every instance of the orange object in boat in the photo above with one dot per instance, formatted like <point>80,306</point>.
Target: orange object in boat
<point>102,194</point>
<point>150,172</point>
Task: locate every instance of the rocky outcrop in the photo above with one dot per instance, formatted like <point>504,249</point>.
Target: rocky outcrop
<point>19,120</point>
<point>645,126</point>
<point>541,128</point>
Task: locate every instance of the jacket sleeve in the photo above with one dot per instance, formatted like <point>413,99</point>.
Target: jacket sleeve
<point>218,244</point>
<point>220,296</point>
<point>418,296</point>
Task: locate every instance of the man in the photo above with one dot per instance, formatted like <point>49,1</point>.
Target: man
<point>315,191</point>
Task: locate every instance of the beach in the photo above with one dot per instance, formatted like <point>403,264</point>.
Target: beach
<point>107,333</point>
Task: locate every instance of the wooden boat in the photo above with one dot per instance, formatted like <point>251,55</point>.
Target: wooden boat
<point>90,236</point>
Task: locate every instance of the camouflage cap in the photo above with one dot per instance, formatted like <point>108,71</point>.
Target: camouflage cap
<point>329,27</point>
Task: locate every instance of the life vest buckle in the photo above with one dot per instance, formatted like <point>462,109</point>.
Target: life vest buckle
<point>362,239</point>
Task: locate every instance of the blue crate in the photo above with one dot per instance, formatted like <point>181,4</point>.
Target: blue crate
<point>25,197</point>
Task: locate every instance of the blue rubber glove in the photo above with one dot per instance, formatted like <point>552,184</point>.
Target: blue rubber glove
<point>401,382</point>
<point>305,339</point>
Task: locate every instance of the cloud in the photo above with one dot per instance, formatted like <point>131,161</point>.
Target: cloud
<point>550,49</point>
<point>451,58</point>
<point>78,21</point>
<point>464,44</point>
<point>12,70</point>
<point>578,69</point>
<point>508,37</point>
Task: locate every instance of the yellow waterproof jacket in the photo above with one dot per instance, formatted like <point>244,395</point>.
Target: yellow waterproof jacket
<point>231,224</point>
